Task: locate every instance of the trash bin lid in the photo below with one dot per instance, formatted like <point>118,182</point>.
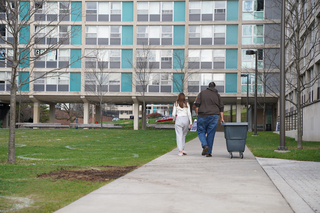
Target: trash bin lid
<point>235,124</point>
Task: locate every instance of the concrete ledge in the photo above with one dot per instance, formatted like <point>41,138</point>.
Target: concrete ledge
<point>105,126</point>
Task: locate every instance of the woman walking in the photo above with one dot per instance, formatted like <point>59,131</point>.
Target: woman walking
<point>183,121</point>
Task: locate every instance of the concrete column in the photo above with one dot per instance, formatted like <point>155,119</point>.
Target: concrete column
<point>238,112</point>
<point>36,112</point>
<point>136,116</point>
<point>98,115</point>
<point>52,113</point>
<point>86,108</point>
<point>238,119</point>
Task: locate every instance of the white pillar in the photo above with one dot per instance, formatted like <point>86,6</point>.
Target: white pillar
<point>238,119</point>
<point>98,115</point>
<point>36,112</point>
<point>136,116</point>
<point>52,115</point>
<point>86,108</point>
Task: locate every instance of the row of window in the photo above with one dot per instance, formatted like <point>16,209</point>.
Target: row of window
<point>146,35</point>
<point>146,11</point>
<point>155,59</point>
<point>151,82</point>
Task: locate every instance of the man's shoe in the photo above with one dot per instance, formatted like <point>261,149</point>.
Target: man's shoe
<point>205,149</point>
<point>208,155</point>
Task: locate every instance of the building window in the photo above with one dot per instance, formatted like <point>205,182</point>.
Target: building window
<point>251,83</point>
<point>248,61</point>
<point>103,11</point>
<point>154,35</point>
<point>52,59</point>
<point>5,80</point>
<point>193,83</point>
<point>311,79</point>
<point>207,35</point>
<point>198,82</point>
<point>207,10</point>
<point>154,82</point>
<point>253,10</point>
<point>102,58</point>
<point>252,34</point>
<point>102,82</point>
<point>154,59</point>
<point>155,11</point>
<point>207,59</point>
<point>97,35</point>
<point>51,82</point>
<point>52,34</point>
<point>5,56</point>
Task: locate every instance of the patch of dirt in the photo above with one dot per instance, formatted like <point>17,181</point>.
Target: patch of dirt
<point>90,174</point>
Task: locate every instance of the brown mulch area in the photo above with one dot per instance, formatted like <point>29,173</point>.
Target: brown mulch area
<point>92,175</point>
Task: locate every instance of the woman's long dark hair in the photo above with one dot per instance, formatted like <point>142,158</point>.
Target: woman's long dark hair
<point>181,100</point>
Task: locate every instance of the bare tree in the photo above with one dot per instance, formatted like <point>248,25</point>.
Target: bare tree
<point>99,79</point>
<point>143,69</point>
<point>302,47</point>
<point>21,50</point>
<point>73,111</point>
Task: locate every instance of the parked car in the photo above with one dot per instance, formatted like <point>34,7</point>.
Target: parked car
<point>115,119</point>
<point>132,117</point>
<point>167,118</point>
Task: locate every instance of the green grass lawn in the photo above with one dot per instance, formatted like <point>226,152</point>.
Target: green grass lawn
<point>45,150</point>
<point>265,144</point>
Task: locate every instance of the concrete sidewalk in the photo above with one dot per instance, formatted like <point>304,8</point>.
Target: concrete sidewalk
<point>191,183</point>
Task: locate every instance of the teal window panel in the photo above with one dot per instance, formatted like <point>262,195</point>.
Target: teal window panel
<point>126,59</point>
<point>154,110</point>
<point>24,34</point>
<point>76,11</point>
<point>232,34</point>
<point>126,82</point>
<point>178,82</point>
<point>232,59</point>
<point>127,11</point>
<point>232,10</point>
<point>179,11</point>
<point>178,59</point>
<point>24,78</point>
<point>178,35</point>
<point>76,35</point>
<point>75,59</point>
<point>231,82</point>
<point>24,56</point>
<point>127,35</point>
<point>24,8</point>
<point>75,82</point>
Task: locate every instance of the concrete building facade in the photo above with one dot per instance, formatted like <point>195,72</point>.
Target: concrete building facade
<point>191,43</point>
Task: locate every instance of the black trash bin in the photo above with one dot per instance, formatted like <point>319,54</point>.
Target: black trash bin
<point>235,135</point>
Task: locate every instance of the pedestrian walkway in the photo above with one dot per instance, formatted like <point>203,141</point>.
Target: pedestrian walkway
<point>191,183</point>
<point>298,182</point>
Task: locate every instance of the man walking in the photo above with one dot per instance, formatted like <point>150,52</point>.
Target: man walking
<point>209,107</point>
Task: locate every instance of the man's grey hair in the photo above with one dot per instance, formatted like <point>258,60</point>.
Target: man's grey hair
<point>212,84</point>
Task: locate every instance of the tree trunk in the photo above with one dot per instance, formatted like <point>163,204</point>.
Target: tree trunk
<point>11,145</point>
<point>143,127</point>
<point>299,121</point>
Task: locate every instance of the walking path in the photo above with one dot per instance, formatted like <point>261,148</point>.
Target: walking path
<point>192,183</point>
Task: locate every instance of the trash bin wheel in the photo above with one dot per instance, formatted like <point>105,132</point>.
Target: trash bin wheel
<point>231,156</point>
<point>241,155</point>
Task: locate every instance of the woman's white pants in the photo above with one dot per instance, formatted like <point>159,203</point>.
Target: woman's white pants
<point>181,127</point>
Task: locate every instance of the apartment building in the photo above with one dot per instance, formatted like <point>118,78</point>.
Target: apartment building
<point>190,43</point>
<point>303,51</point>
